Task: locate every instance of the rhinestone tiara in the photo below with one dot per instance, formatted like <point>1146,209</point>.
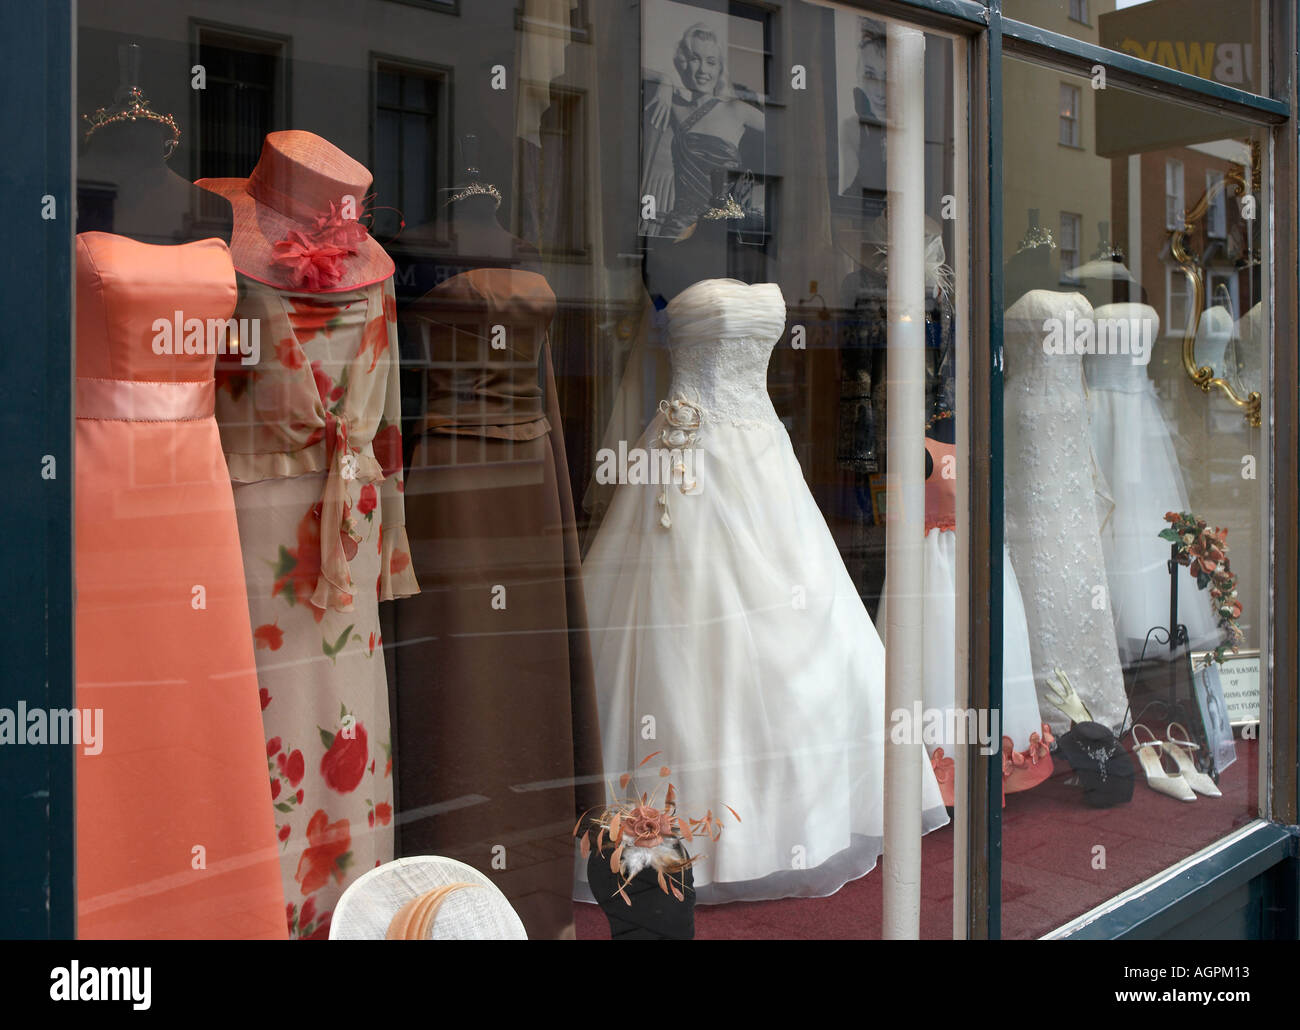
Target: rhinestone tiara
<point>132,107</point>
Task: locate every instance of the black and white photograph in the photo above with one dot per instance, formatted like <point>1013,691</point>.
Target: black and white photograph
<point>703,125</point>
<point>1215,718</point>
<point>860,98</point>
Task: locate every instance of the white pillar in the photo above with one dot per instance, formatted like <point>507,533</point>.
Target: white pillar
<point>905,399</point>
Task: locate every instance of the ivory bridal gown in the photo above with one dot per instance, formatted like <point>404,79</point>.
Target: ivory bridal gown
<point>1057,505</point>
<point>1137,456</point>
<point>727,634</point>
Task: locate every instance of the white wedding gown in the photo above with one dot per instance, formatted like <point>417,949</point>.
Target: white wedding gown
<point>1055,504</point>
<point>1136,455</point>
<point>732,641</point>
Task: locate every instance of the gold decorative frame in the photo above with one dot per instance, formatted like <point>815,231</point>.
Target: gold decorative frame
<point>1202,375</point>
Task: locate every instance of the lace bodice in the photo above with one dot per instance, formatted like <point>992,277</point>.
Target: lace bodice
<point>721,336</point>
<point>1052,500</point>
<point>1125,334</point>
<point>1034,363</point>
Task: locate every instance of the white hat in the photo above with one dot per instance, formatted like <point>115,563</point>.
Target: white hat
<point>1103,268</point>
<point>424,898</point>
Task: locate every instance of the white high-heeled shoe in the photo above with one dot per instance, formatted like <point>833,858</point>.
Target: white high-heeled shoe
<point>1177,748</point>
<point>1148,753</point>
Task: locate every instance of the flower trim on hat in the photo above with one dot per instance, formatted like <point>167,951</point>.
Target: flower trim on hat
<point>313,259</point>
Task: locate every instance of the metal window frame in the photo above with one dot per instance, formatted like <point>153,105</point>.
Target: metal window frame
<point>37,875</point>
<point>37,863</point>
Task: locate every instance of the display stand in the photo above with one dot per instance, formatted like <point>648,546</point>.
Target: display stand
<point>1175,637</point>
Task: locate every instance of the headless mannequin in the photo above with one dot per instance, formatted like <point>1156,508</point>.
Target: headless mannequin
<point>150,202</point>
<point>1031,269</point>
<point>481,238</point>
<point>1112,291</point>
<point>673,265</point>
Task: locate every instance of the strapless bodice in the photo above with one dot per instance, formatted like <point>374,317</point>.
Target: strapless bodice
<point>1038,330</point>
<point>1123,336</point>
<point>149,312</point>
<point>482,332</point>
<point>721,336</point>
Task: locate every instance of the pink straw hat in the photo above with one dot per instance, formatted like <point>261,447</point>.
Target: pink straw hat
<point>296,216</point>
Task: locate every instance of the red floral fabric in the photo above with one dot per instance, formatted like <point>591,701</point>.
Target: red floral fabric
<point>314,450</point>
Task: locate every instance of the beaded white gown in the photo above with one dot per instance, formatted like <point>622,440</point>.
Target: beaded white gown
<point>727,634</point>
<point>1056,502</point>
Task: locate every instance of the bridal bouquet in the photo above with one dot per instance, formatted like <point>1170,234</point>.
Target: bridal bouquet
<point>643,833</point>
<point>1204,552</point>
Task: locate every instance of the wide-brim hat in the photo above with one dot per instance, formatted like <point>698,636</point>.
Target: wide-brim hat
<point>1102,268</point>
<point>296,216</point>
<point>424,897</point>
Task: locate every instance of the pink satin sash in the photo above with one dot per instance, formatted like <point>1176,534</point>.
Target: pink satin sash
<point>126,400</point>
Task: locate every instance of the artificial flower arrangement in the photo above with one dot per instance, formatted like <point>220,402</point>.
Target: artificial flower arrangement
<point>313,258</point>
<point>645,833</point>
<point>1205,552</point>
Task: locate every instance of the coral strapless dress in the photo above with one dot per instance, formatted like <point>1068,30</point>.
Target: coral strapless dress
<point>174,830</point>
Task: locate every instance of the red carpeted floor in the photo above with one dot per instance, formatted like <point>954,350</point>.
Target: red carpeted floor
<point>1051,870</point>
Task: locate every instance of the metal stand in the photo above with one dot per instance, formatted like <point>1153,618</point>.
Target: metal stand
<point>1175,635</point>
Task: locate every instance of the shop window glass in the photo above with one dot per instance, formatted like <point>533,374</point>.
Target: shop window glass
<point>1135,499</point>
<point>500,400</point>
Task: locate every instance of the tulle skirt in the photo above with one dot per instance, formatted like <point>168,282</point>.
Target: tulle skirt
<point>1021,722</point>
<point>733,647</point>
<point>1136,455</point>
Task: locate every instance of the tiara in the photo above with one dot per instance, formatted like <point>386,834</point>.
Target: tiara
<point>132,107</point>
<point>475,189</point>
<point>725,205</point>
<point>1107,251</point>
<point>730,209</point>
<point>1037,236</point>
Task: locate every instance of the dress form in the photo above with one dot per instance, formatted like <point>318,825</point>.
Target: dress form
<point>480,237</point>
<point>484,698</point>
<point>150,202</point>
<point>1030,268</point>
<point>706,252</point>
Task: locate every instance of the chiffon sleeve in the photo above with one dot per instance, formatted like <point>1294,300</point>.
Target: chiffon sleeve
<point>396,574</point>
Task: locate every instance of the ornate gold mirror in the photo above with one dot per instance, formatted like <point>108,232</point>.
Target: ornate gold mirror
<point>1221,350</point>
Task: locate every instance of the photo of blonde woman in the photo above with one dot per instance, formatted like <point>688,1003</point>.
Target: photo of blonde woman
<point>696,115</point>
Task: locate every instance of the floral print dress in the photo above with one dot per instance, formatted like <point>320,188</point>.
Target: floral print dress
<point>312,438</point>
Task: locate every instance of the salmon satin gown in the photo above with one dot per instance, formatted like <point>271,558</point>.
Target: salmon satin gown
<point>175,837</point>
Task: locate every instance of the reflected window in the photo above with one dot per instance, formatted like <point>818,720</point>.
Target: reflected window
<point>1175,196</point>
<point>1069,115</point>
<point>1071,230</point>
<point>407,107</point>
<point>1216,217</point>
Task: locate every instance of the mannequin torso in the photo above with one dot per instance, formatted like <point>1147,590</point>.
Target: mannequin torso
<point>144,199</point>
